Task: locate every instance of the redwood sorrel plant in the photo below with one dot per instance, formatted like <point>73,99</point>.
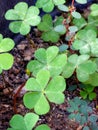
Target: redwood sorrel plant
<point>75,58</point>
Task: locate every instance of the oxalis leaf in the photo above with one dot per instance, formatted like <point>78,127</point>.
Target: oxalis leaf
<point>83,66</point>
<point>51,32</point>
<point>86,44</point>
<point>49,59</point>
<point>42,88</point>
<point>27,122</point>
<point>48,5</point>
<point>23,17</point>
<point>42,127</point>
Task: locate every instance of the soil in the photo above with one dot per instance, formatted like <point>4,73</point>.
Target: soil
<point>12,80</point>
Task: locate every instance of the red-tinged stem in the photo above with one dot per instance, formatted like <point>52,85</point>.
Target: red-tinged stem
<point>72,4</point>
<point>15,97</point>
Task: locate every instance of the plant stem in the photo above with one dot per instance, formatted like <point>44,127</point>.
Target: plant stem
<point>72,4</point>
<point>15,97</point>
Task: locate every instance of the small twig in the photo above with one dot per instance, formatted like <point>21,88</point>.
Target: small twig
<point>15,97</point>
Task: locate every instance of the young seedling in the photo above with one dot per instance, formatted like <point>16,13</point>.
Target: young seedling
<point>6,59</point>
<point>43,89</point>
<point>27,122</point>
<point>23,17</point>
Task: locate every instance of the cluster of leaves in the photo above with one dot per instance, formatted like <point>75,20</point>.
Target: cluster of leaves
<point>6,59</point>
<point>48,64</point>
<point>52,66</point>
<point>82,113</point>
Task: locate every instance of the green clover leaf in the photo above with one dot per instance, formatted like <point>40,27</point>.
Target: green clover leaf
<point>27,122</point>
<point>42,88</point>
<point>48,5</point>
<point>86,42</point>
<point>6,59</point>
<point>48,60</point>
<point>51,32</point>
<point>84,67</point>
<point>23,17</point>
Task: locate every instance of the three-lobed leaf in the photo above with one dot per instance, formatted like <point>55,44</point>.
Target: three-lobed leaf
<point>48,59</point>
<point>23,18</point>
<point>86,42</point>
<point>84,67</point>
<point>42,89</point>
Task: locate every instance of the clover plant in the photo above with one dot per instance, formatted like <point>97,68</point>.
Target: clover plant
<point>82,113</point>
<point>23,17</point>
<point>87,92</point>
<point>51,31</point>
<point>27,122</point>
<point>48,59</point>
<point>86,42</point>
<point>43,89</point>
<point>83,66</point>
<point>6,59</point>
<point>48,5</point>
